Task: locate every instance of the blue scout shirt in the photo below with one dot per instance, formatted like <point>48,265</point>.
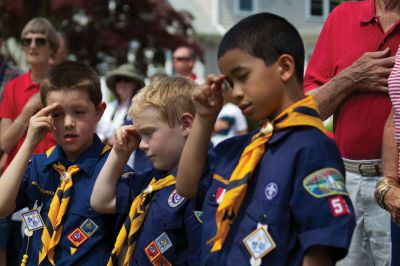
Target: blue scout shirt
<point>170,217</point>
<point>297,191</point>
<point>39,184</point>
<point>395,234</point>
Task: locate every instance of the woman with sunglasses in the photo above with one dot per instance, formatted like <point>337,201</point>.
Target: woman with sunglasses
<point>124,82</point>
<point>21,97</point>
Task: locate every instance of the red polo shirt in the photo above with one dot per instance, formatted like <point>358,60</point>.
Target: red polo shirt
<point>16,94</point>
<point>351,30</point>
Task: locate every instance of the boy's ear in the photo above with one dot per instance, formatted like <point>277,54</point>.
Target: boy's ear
<point>101,107</point>
<point>286,67</point>
<point>187,123</point>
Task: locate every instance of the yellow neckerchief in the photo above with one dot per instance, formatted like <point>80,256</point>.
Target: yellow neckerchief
<point>136,217</point>
<point>302,113</point>
<point>52,228</point>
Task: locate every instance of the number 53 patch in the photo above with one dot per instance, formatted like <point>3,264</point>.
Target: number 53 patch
<point>338,206</point>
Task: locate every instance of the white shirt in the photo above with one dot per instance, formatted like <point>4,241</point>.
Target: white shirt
<point>114,116</point>
<point>237,122</point>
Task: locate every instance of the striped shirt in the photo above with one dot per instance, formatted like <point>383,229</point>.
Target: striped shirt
<point>394,92</point>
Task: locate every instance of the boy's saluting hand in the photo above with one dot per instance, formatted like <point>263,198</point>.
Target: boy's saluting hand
<point>40,124</point>
<point>207,98</point>
<point>126,139</point>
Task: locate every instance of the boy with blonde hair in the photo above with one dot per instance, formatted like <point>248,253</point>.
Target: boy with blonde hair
<point>162,227</point>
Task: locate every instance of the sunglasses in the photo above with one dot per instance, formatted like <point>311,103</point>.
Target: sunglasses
<point>26,42</point>
<point>122,79</point>
<point>182,58</point>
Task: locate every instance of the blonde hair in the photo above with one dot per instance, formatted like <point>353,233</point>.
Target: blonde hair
<point>171,96</point>
<point>42,25</point>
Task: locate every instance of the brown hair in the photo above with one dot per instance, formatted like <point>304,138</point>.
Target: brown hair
<point>72,76</point>
<point>171,96</point>
<point>42,25</point>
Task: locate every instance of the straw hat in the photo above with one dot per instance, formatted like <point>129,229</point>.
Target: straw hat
<point>126,71</point>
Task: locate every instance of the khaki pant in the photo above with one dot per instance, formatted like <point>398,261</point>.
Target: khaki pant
<point>371,243</point>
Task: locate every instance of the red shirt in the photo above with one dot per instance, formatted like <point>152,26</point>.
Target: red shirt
<point>351,30</point>
<point>16,94</point>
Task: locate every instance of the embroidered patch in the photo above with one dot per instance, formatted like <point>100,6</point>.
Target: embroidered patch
<point>152,251</point>
<point>338,206</point>
<point>33,220</point>
<point>161,261</point>
<point>271,190</point>
<point>175,199</point>
<point>77,237</point>
<point>220,194</point>
<point>163,242</point>
<point>198,215</point>
<point>259,243</point>
<point>89,227</point>
<point>325,182</point>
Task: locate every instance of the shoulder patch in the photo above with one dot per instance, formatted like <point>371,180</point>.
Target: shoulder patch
<point>325,182</point>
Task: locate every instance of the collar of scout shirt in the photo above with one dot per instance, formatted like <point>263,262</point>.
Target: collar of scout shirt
<point>158,174</point>
<point>86,161</point>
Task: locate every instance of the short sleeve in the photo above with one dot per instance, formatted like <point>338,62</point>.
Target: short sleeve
<point>22,199</point>
<point>321,207</point>
<point>320,68</point>
<point>128,187</point>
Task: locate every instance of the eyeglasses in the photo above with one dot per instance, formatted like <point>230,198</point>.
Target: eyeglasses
<point>182,58</point>
<point>122,79</point>
<point>26,42</point>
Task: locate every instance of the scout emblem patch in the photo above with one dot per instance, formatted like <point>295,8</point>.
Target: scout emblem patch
<point>33,220</point>
<point>157,247</point>
<point>152,251</point>
<point>259,243</point>
<point>163,242</point>
<point>220,194</point>
<point>338,206</point>
<point>325,182</point>
<point>271,190</point>
<point>175,199</point>
<point>77,237</point>
<point>89,227</point>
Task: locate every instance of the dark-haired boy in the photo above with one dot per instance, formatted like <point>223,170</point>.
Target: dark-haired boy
<point>61,228</point>
<point>278,194</point>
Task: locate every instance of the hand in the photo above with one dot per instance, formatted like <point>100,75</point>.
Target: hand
<point>41,123</point>
<point>392,202</point>
<point>34,104</point>
<point>126,139</point>
<point>370,72</point>
<point>207,98</point>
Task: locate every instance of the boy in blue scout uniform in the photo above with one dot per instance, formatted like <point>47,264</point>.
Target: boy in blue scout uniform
<point>162,227</point>
<point>277,195</point>
<point>61,227</point>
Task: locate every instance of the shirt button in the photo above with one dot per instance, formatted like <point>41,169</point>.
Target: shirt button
<point>89,210</point>
<point>263,218</point>
<point>212,196</point>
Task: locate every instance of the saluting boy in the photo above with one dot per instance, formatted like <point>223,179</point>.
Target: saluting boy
<point>278,195</point>
<point>162,227</point>
<point>61,227</point>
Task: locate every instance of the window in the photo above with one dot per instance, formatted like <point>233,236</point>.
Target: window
<point>320,9</point>
<point>244,7</point>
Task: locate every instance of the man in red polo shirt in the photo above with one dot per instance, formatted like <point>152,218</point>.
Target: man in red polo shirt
<point>21,97</point>
<point>348,75</point>
<point>183,60</point>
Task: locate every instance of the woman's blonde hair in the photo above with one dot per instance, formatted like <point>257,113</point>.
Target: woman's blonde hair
<point>42,25</point>
<point>171,96</point>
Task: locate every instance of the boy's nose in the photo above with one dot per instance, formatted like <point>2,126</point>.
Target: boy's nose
<point>69,121</point>
<point>143,145</point>
<point>237,93</point>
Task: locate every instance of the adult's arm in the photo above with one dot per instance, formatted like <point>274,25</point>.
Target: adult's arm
<point>13,130</point>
